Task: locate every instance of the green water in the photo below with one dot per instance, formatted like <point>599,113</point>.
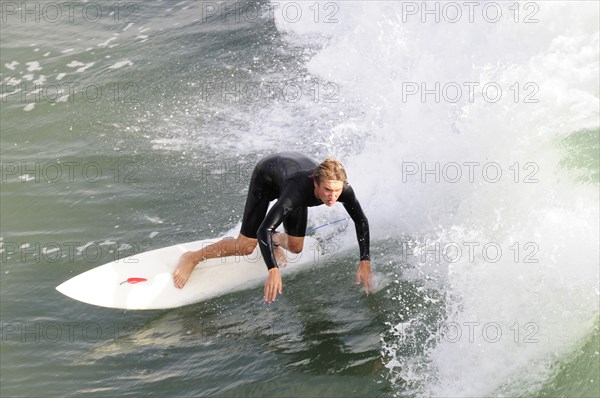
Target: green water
<point>582,149</point>
<point>577,375</point>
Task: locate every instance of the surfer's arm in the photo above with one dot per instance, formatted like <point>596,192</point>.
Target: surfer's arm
<point>361,224</point>
<point>275,216</point>
<point>272,220</point>
<point>273,285</point>
<point>363,274</point>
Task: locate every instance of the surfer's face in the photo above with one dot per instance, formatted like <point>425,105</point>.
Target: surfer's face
<point>328,191</point>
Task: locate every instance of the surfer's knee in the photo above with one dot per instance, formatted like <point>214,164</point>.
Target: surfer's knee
<point>295,245</point>
<point>245,245</point>
<point>247,249</point>
<point>296,249</point>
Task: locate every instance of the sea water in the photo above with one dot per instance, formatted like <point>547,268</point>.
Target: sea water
<point>469,131</point>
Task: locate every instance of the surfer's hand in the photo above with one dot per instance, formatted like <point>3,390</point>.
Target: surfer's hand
<point>363,275</point>
<point>273,285</point>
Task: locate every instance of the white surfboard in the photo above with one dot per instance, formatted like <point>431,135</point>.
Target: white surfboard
<point>145,281</point>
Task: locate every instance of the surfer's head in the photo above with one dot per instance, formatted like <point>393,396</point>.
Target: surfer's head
<point>330,169</point>
<point>329,179</point>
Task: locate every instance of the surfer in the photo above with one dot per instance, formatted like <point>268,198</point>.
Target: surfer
<point>297,183</point>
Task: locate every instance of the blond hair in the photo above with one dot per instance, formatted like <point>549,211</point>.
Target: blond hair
<point>330,169</point>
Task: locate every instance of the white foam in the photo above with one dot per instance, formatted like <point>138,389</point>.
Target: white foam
<point>12,65</point>
<point>11,81</point>
<point>107,42</point>
<point>46,250</point>
<point>121,64</point>
<point>75,64</point>
<point>33,66</point>
<point>85,67</point>
<point>154,220</point>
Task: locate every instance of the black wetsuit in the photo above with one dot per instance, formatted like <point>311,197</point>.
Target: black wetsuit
<point>288,177</point>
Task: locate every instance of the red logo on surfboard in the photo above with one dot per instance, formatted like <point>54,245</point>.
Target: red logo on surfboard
<point>133,281</point>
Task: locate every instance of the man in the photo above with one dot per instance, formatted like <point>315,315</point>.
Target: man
<point>297,183</point>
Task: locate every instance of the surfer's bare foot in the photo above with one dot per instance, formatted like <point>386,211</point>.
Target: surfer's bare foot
<point>184,269</point>
<point>280,256</point>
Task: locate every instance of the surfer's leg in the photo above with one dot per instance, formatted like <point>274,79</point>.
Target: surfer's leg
<point>284,241</point>
<point>242,246</point>
<point>295,229</point>
<point>293,244</point>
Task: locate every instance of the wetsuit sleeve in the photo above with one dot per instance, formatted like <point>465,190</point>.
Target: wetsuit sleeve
<point>273,219</point>
<point>360,221</point>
